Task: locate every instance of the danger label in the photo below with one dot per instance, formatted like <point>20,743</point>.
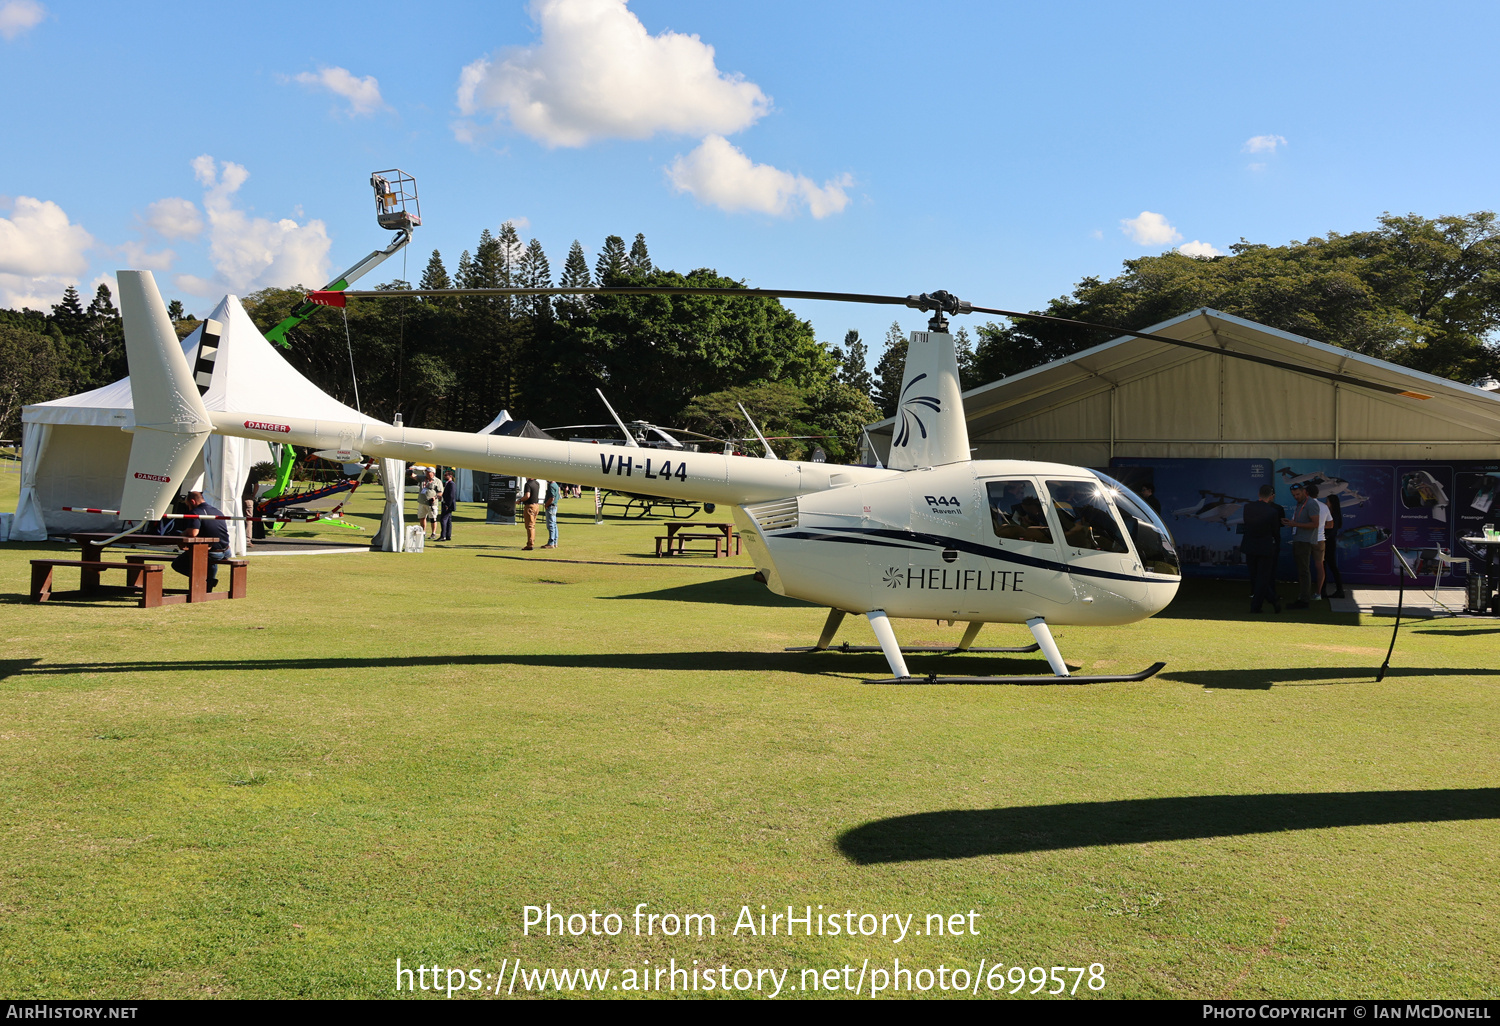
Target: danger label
<point>256,425</point>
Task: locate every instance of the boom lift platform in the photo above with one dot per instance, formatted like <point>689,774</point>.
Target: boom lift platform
<point>396,209</point>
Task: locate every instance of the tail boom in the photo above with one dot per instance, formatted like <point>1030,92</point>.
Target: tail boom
<point>673,474</point>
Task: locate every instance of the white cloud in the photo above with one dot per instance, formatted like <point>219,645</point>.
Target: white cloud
<point>363,94</point>
<point>18,292</point>
<point>1198,249</point>
<point>38,241</point>
<point>720,174</point>
<point>135,256</point>
<point>18,16</point>
<point>174,218</point>
<point>1264,143</point>
<point>597,74</point>
<point>41,254</point>
<point>247,252</point>
<point>1150,229</point>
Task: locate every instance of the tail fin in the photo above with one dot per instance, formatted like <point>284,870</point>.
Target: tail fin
<point>930,428</point>
<point>171,423</point>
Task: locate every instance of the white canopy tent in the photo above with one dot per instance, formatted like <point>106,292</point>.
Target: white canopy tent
<point>74,451</point>
<point>1141,398</point>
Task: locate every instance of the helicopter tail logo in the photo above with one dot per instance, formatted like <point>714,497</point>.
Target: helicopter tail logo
<point>930,429</point>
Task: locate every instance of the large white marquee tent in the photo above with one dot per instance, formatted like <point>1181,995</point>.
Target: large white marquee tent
<point>74,449</point>
<point>1133,397</point>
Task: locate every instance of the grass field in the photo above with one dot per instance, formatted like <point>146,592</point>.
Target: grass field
<point>378,756</point>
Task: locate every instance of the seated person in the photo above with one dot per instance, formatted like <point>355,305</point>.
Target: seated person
<point>193,527</point>
<point>1016,512</point>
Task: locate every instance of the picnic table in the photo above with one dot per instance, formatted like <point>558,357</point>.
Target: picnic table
<point>679,534</point>
<point>143,572</point>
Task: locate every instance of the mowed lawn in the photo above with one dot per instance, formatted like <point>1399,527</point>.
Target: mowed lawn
<point>381,756</point>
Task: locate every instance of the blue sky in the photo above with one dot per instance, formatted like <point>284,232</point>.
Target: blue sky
<point>1001,151</point>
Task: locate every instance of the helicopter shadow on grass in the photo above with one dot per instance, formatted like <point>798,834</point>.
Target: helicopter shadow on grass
<point>740,590</point>
<point>968,833</point>
<point>849,668</point>
<point>1461,634</point>
<point>1312,676</point>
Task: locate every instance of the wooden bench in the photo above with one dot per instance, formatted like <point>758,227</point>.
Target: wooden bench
<point>239,574</point>
<point>721,543</point>
<point>144,578</point>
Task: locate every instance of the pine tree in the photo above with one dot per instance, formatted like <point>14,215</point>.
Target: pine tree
<point>853,358</point>
<point>612,261</point>
<point>103,305</point>
<point>105,335</point>
<point>487,263</point>
<point>69,313</point>
<point>890,370</point>
<point>175,311</point>
<point>639,262</point>
<point>965,352</point>
<point>534,272</point>
<point>464,276</point>
<point>575,276</point>
<point>436,275</point>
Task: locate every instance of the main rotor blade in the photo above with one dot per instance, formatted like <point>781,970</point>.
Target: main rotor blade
<point>331,298</point>
<point>943,301</point>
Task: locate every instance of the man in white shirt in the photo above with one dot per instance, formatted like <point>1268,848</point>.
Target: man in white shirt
<point>1320,572</point>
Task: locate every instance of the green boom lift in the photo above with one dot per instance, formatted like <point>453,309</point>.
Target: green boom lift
<point>396,209</point>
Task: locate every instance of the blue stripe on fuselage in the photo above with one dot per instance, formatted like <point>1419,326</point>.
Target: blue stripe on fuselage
<point>917,540</point>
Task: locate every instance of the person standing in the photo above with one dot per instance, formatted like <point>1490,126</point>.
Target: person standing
<point>1305,521</point>
<point>531,497</point>
<point>429,497</point>
<point>554,495</point>
<point>192,527</point>
<point>449,505</point>
<point>1324,519</point>
<point>1331,546</point>
<point>1262,547</point>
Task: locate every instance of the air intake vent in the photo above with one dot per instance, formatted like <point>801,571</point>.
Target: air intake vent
<point>775,516</point>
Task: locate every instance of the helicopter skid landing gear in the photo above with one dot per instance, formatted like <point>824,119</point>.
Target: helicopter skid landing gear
<point>1039,630</point>
<point>966,644</point>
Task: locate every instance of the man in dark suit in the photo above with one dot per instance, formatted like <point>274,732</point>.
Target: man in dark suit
<point>450,504</point>
<point>1262,546</point>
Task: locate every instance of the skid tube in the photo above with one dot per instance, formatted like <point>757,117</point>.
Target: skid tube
<point>947,649</point>
<point>933,678</point>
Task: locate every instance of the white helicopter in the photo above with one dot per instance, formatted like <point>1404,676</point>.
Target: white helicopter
<point>1327,486</point>
<point>1215,508</point>
<point>933,535</point>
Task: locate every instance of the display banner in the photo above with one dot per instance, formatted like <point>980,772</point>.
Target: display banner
<point>1413,505</point>
<point>501,500</point>
<point>1203,504</point>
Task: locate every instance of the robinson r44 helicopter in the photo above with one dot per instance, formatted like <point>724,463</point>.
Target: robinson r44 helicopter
<point>932,535</point>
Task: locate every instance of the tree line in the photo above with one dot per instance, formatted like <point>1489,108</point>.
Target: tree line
<point>1424,293</point>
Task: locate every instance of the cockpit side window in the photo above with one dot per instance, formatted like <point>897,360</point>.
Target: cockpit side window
<point>1085,517</point>
<point>1016,511</point>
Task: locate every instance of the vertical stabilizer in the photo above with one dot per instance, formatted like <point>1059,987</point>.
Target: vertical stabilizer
<point>930,429</point>
<point>171,423</point>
